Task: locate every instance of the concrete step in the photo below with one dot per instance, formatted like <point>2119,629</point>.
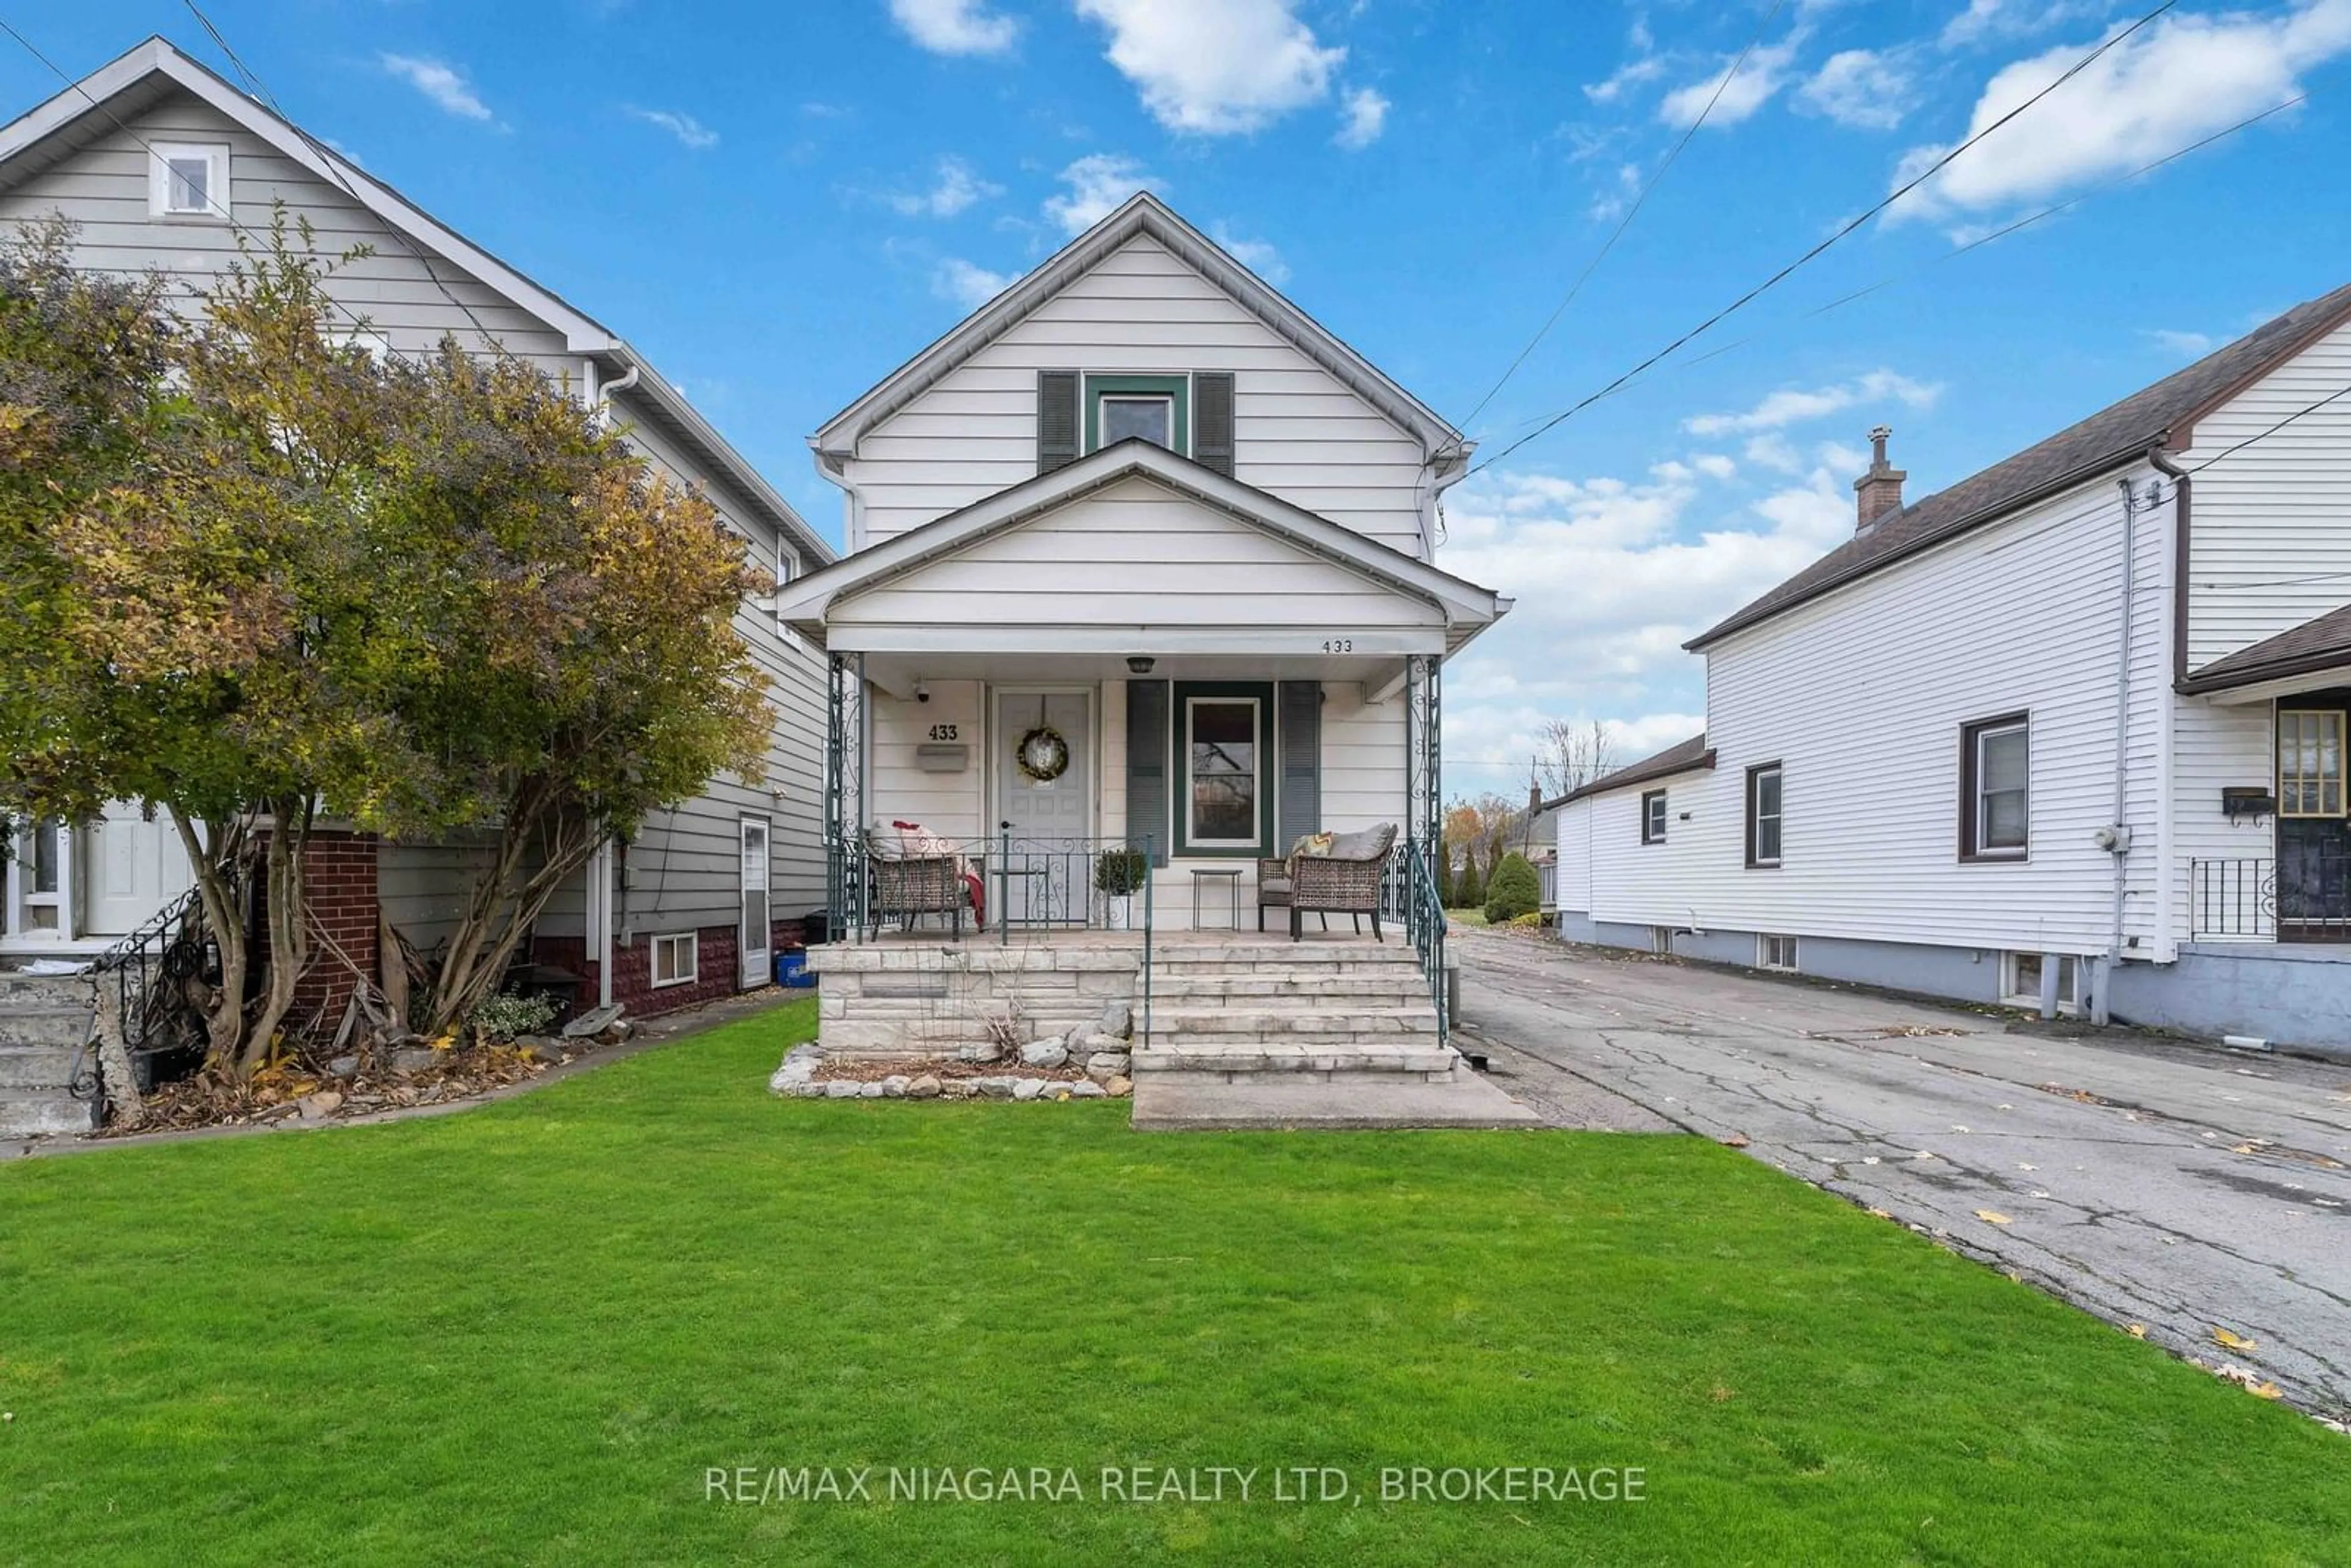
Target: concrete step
<point>1360,950</point>
<point>1418,1058</point>
<point>1382,988</point>
<point>45,1026</point>
<point>42,1113</point>
<point>36,1066</point>
<point>1181,1101</point>
<point>1299,1016</point>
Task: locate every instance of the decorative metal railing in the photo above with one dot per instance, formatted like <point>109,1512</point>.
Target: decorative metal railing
<point>1408,897</point>
<point>157,974</point>
<point>2306,897</point>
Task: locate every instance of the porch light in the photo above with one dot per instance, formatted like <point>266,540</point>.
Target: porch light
<point>1139,663</point>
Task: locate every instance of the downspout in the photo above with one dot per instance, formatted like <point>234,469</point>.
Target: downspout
<point>2166,940</point>
<point>601,914</point>
<point>2116,838</point>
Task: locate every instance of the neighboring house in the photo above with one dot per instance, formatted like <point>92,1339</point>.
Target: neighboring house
<point>2072,730</point>
<point>1142,503</point>
<point>164,165</point>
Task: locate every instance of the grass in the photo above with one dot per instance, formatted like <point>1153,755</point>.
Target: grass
<point>526,1332</point>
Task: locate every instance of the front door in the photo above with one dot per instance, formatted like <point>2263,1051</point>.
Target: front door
<point>754,941</point>
<point>130,867</point>
<point>1045,792</point>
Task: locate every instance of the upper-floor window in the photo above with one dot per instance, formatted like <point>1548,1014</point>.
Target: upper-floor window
<point>1078,411</point>
<point>188,180</point>
<point>2309,762</point>
<point>1157,409</point>
<point>1653,817</point>
<point>1995,787</point>
<point>1763,814</point>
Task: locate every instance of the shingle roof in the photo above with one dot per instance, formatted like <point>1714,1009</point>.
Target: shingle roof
<point>2162,413</point>
<point>1678,758</point>
<point>2316,645</point>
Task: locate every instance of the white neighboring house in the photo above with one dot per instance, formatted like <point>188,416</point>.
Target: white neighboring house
<point>1142,504</point>
<point>2070,733</point>
<point>164,165</point>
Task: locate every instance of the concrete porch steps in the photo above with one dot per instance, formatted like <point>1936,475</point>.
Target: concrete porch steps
<point>1293,1011</point>
<point>44,1018</point>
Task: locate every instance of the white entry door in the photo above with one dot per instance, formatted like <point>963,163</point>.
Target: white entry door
<point>130,868</point>
<point>754,942</point>
<point>1047,877</point>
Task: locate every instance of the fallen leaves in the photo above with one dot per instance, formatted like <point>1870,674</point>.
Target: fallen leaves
<point>2253,1382</point>
<point>2137,1331</point>
<point>2228,1341</point>
<point>1736,1141</point>
<point>1992,1217</point>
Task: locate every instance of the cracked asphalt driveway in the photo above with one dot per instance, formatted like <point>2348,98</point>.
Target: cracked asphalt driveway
<point>2152,1182</point>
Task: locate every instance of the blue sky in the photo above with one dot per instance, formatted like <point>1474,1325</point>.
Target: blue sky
<point>780,202</point>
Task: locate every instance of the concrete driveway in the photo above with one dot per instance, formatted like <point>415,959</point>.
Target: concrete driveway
<point>2152,1182</point>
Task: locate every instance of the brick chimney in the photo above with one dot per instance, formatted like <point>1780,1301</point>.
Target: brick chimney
<point>1878,492</point>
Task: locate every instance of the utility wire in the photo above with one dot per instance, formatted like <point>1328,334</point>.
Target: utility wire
<point>1627,222</point>
<point>1840,232</point>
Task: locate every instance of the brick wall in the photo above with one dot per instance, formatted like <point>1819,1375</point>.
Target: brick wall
<point>339,883</point>
<point>632,986</point>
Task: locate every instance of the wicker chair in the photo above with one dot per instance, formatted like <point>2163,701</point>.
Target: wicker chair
<point>911,886</point>
<point>1344,882</point>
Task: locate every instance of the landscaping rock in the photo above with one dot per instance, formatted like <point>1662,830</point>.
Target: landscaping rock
<point>319,1107</point>
<point>798,1069</point>
<point>869,1090</point>
<point>992,1088</point>
<point>414,1059</point>
<point>1044,1054</point>
<point>344,1067</point>
<point>1097,1042</point>
<point>594,1022</point>
<point>1107,1065</point>
<point>1088,1092</point>
<point>1027,1088</point>
<point>810,1089</point>
<point>1118,1020</point>
<point>924,1088</point>
<point>539,1047</point>
<point>842,1091</point>
<point>1119,1088</point>
<point>894,1086</point>
<point>979,1050</point>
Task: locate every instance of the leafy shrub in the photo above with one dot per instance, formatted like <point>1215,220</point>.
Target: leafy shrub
<point>1515,890</point>
<point>1469,893</point>
<point>1120,872</point>
<point>1530,921</point>
<point>503,1017</point>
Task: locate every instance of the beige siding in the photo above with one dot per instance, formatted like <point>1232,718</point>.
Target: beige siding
<point>1363,760</point>
<point>1299,431</point>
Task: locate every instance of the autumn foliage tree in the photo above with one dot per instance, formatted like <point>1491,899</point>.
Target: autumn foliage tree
<point>288,578</point>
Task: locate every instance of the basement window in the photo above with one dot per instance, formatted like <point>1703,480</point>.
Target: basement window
<point>189,180</point>
<point>676,958</point>
<point>1776,952</point>
<point>2021,982</point>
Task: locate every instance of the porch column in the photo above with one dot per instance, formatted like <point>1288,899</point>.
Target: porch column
<point>1424,781</point>
<point>844,794</point>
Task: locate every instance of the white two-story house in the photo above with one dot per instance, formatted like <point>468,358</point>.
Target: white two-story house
<point>1139,554</point>
<point>2069,734</point>
<point>166,167</point>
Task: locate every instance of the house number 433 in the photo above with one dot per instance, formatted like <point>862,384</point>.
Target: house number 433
<point>1339,644</point>
<point>942,732</point>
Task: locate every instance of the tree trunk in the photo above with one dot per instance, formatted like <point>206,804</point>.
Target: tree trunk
<point>506,903</point>
<point>214,865</point>
<point>289,948</point>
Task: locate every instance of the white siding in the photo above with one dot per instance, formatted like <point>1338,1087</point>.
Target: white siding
<point>1861,697</point>
<point>1299,431</point>
<point>2270,527</point>
<point>1363,760</point>
<point>1575,896</point>
<point>1135,554</point>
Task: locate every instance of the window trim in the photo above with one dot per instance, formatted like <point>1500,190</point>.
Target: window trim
<point>1655,835</point>
<point>1754,773</point>
<point>1764,945</point>
<point>1972,736</point>
<point>2342,765</point>
<point>693,940</point>
<point>1176,387</point>
<point>2069,998</point>
<point>216,155</point>
<point>1182,695</point>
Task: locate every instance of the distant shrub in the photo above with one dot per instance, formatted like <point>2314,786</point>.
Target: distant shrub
<point>1514,890</point>
<point>1530,921</point>
<point>1470,892</point>
<point>505,1017</point>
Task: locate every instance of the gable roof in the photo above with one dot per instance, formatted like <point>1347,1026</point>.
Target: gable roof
<point>1142,214</point>
<point>2323,643</point>
<point>1683,756</point>
<point>1468,608</point>
<point>108,98</point>
<point>2163,414</point>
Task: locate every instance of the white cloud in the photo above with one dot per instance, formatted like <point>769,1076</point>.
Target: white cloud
<point>1796,405</point>
<point>1216,67</point>
<point>1632,73</point>
<point>2173,83</point>
<point>1714,465</point>
<point>1988,19</point>
<point>1098,183</point>
<point>1367,116</point>
<point>684,127</point>
<point>956,27</point>
<point>968,285</point>
<point>1868,90</point>
<point>1765,72</point>
<point>1609,204</point>
<point>957,187</point>
<point>2187,345</point>
<point>444,84</point>
<point>1773,452</point>
<point>1259,256</point>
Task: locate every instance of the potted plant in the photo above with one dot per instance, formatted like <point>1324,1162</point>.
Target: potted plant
<point>1117,875</point>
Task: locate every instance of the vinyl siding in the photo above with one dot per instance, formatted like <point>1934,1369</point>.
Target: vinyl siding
<point>1861,697</point>
<point>1363,760</point>
<point>1573,893</point>
<point>1299,433</point>
<point>2279,509</point>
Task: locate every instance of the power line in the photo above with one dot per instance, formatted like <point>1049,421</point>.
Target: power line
<point>1627,222</point>
<point>1840,232</point>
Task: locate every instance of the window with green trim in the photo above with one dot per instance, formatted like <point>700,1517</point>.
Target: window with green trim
<point>1224,743</point>
<point>1157,409</point>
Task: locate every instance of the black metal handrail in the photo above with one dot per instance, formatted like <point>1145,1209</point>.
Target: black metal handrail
<point>1408,897</point>
<point>150,969</point>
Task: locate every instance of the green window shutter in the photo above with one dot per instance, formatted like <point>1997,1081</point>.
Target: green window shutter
<point>1212,420</point>
<point>1300,703</point>
<point>1056,420</point>
<point>1146,766</point>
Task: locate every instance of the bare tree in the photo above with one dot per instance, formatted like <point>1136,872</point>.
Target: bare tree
<point>1573,754</point>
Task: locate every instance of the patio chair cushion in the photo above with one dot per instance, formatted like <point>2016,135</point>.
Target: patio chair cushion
<point>1273,886</point>
<point>1317,844</point>
<point>1364,843</point>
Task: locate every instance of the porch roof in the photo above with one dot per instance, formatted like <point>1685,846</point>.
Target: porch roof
<point>2316,653</point>
<point>1400,605</point>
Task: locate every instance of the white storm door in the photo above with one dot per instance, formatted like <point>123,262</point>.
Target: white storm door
<point>754,942</point>
<point>131,868</point>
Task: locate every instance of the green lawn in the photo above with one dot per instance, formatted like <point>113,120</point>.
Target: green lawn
<point>525,1333</point>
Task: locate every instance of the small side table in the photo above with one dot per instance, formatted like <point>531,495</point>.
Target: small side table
<point>1230,875</point>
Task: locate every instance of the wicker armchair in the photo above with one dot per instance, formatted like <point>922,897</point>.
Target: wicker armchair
<point>911,886</point>
<point>1344,882</point>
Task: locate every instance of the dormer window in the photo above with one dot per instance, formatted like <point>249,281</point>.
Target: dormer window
<point>189,180</point>
<point>1157,409</point>
<point>1078,411</point>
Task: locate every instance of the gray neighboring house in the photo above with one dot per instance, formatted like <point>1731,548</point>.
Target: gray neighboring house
<point>2071,733</point>
<point>163,164</point>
